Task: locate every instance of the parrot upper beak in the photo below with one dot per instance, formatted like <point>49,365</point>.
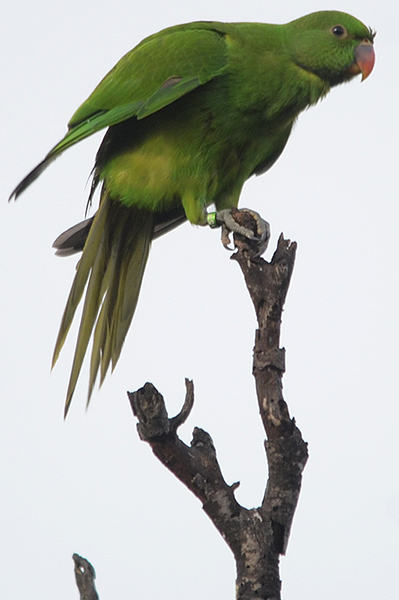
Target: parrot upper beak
<point>364,59</point>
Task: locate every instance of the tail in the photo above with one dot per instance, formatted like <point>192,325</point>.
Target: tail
<point>112,265</point>
<point>73,239</point>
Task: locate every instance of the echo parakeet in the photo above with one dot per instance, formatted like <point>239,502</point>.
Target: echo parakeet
<point>192,112</point>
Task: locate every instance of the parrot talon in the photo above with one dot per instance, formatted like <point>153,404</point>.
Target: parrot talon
<point>225,238</point>
<point>226,220</point>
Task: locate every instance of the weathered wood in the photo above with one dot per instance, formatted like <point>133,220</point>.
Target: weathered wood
<point>258,536</point>
<point>85,576</point>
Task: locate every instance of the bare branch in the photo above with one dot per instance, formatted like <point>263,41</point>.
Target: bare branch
<point>85,576</point>
<point>196,465</point>
<point>286,451</point>
<point>183,415</point>
<point>258,536</point>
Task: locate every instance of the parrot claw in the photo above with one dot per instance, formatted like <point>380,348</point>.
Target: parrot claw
<point>225,237</point>
<point>226,219</point>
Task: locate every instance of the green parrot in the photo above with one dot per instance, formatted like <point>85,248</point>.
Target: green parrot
<point>192,112</point>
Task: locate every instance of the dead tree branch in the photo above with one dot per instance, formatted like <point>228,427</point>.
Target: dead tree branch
<point>85,576</point>
<point>257,536</point>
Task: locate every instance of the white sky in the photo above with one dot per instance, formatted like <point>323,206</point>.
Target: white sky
<point>88,485</point>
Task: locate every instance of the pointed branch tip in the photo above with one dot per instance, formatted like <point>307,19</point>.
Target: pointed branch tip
<point>178,420</point>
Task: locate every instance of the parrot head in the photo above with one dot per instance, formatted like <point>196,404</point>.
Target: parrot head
<point>332,45</point>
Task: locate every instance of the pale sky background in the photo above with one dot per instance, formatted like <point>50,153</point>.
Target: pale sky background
<point>88,485</point>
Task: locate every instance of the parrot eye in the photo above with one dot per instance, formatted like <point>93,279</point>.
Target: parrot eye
<point>339,31</point>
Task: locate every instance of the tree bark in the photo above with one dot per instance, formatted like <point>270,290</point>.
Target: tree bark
<point>85,576</point>
<point>256,536</point>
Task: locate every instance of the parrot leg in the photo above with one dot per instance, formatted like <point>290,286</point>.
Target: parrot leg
<point>226,220</point>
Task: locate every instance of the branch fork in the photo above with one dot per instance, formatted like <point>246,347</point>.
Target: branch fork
<point>258,536</point>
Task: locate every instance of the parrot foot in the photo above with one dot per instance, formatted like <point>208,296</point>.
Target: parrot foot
<point>227,220</point>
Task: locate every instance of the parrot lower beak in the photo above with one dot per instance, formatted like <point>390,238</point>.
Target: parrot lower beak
<point>364,59</point>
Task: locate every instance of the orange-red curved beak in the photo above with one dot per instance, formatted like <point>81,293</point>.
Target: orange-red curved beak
<point>365,58</point>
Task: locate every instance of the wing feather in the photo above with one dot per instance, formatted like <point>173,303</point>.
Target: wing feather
<point>139,84</point>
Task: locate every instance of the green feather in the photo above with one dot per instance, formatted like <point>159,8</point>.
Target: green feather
<point>115,261</point>
<point>192,112</point>
<point>82,273</point>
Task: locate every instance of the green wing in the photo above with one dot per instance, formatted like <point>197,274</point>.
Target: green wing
<point>161,69</point>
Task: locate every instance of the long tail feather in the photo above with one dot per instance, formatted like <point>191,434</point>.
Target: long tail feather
<point>112,267</point>
<point>82,273</point>
<point>94,295</point>
<point>73,239</point>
